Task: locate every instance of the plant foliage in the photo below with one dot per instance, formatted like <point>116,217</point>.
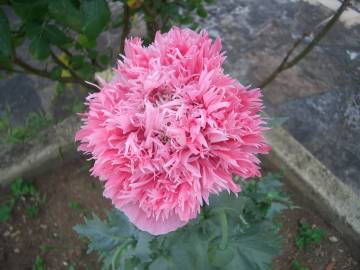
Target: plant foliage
<point>24,193</point>
<point>308,235</point>
<point>64,33</point>
<point>9,134</point>
<point>39,264</point>
<point>231,233</point>
<point>297,266</point>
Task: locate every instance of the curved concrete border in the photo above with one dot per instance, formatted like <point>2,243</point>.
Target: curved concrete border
<point>52,148</point>
<point>335,201</point>
<point>332,199</point>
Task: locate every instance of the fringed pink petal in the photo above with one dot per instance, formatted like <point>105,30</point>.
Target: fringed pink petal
<point>170,129</point>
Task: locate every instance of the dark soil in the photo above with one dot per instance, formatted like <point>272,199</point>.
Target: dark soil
<point>331,254</point>
<point>50,235</point>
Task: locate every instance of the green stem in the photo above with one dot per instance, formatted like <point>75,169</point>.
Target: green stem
<point>39,72</point>
<point>150,19</point>
<point>73,73</point>
<point>118,253</point>
<point>224,229</point>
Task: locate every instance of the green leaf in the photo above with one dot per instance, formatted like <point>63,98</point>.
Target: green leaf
<point>189,251</point>
<point>265,198</point>
<point>33,29</point>
<point>256,248</point>
<point>5,62</point>
<point>85,42</point>
<point>64,12</point>
<point>132,263</point>
<point>297,266</point>
<point>192,4</point>
<point>186,20</point>
<point>220,257</point>
<point>232,204</point>
<point>142,248</point>
<point>39,48</point>
<point>17,188</point>
<point>30,10</point>
<point>86,71</point>
<point>201,11</point>
<point>270,182</point>
<point>170,10</point>
<point>104,236</point>
<point>111,239</point>
<point>39,264</point>
<point>5,212</point>
<point>5,37</point>
<point>92,54</point>
<point>76,61</point>
<point>60,89</point>
<point>104,59</point>
<point>96,16</point>
<point>56,36</point>
<point>4,124</point>
<point>161,263</point>
<point>32,211</point>
<point>307,235</point>
<point>275,209</point>
<point>56,73</point>
<point>34,123</point>
<point>75,205</point>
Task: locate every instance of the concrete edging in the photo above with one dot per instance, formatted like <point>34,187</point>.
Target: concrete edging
<point>52,148</point>
<point>330,197</point>
<point>335,201</point>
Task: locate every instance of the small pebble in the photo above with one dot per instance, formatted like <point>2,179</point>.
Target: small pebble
<point>65,263</point>
<point>76,252</point>
<point>319,252</point>
<point>17,251</point>
<point>13,235</point>
<point>6,234</point>
<point>333,239</point>
<point>55,235</point>
<point>341,251</point>
<point>43,226</point>
<point>330,266</point>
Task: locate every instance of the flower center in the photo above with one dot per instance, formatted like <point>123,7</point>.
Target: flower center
<point>160,95</point>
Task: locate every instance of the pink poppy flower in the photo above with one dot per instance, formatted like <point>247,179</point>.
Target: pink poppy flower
<point>170,129</point>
